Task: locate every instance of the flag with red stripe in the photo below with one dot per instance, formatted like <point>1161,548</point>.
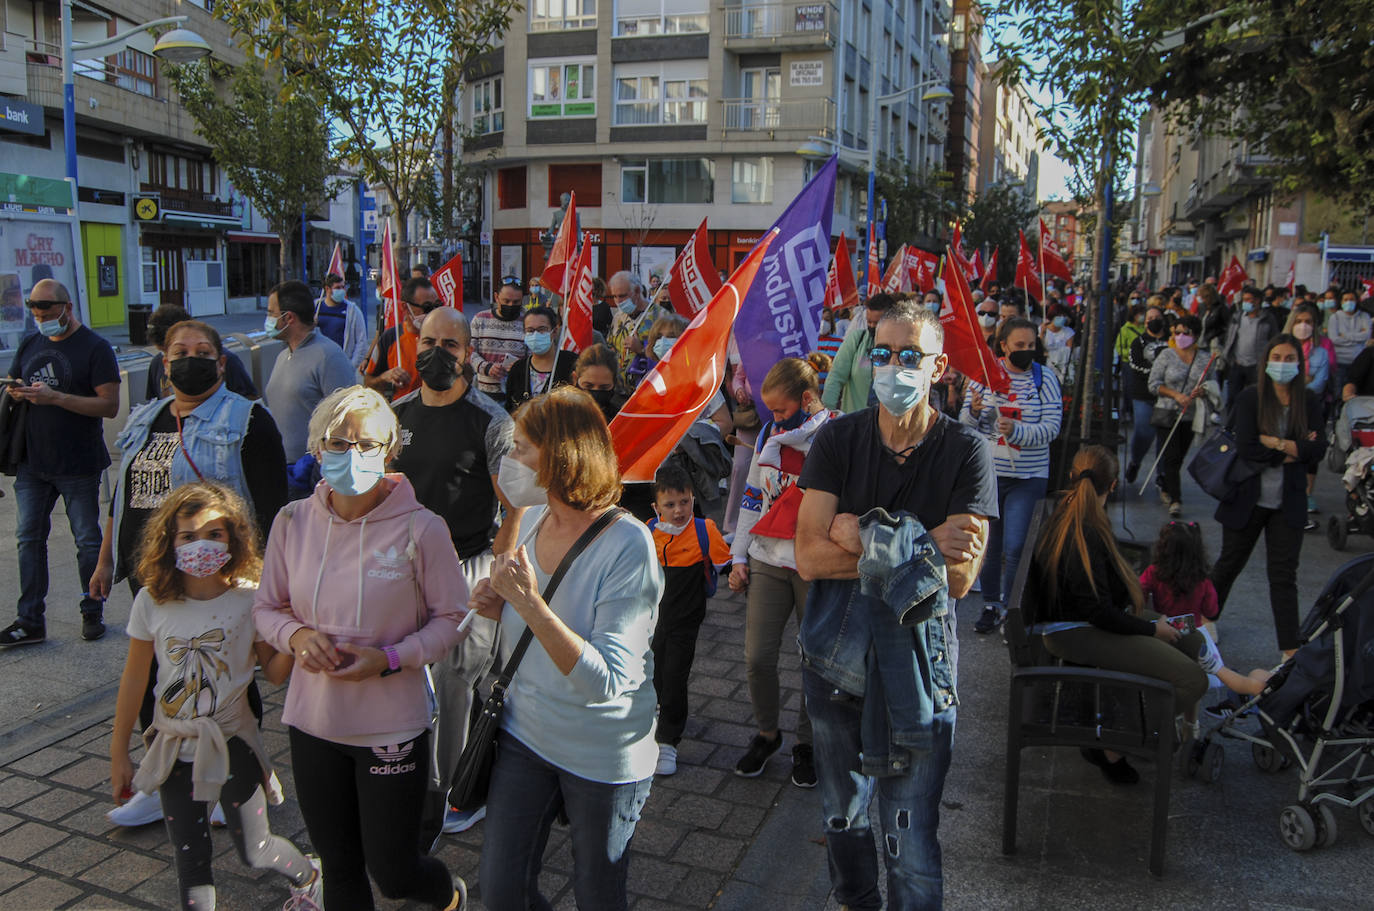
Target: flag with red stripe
<point>693,281</point>
<point>448,281</point>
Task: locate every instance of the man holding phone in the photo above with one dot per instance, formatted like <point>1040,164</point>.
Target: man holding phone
<point>70,378</point>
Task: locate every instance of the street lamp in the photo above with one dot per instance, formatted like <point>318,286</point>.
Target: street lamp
<point>180,45</point>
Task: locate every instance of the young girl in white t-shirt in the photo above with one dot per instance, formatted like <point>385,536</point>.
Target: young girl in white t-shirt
<point>199,563</point>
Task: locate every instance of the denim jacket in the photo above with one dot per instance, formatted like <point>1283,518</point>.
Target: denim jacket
<point>887,637</point>
<point>213,434</point>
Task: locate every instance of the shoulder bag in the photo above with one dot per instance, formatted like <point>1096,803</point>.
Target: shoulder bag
<point>472,776</point>
<point>14,415</point>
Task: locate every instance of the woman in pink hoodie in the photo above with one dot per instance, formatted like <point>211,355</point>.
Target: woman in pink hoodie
<point>362,585</point>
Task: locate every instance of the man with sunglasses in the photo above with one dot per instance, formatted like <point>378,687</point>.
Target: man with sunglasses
<point>879,657</point>
<point>70,379</point>
<point>383,373</point>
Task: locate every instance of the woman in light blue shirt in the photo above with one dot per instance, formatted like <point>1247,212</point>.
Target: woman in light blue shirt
<point>578,733</point>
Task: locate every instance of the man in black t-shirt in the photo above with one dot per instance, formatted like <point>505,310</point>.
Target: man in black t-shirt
<point>453,438</point>
<point>906,457</point>
<point>70,378</point>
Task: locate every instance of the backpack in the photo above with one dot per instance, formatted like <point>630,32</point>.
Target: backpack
<point>712,579</point>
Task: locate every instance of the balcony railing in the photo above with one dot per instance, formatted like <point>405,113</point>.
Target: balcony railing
<point>191,202</point>
<point>798,25</point>
<point>101,69</point>
<point>801,116</point>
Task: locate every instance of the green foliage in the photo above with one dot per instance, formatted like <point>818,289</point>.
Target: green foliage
<point>920,205</point>
<point>385,70</point>
<point>992,221</point>
<point>272,143</point>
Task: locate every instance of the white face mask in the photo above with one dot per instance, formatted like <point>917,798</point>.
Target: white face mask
<point>520,484</point>
<point>667,529</point>
<point>1302,331</point>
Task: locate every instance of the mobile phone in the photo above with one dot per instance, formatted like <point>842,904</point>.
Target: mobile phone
<point>10,381</point>
<point>1184,623</point>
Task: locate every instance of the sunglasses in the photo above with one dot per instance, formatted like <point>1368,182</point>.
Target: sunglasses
<point>510,281</point>
<point>423,307</point>
<point>909,358</point>
<point>43,305</point>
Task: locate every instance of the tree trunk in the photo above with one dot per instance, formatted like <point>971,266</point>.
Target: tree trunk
<point>284,232</point>
<point>402,243</point>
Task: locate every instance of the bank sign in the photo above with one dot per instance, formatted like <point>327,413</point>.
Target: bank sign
<point>21,117</point>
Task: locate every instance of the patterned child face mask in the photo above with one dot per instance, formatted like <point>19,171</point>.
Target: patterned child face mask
<point>202,558</point>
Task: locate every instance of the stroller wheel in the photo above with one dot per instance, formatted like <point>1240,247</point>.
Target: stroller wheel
<point>1336,532</point>
<point>1366,812</point>
<point>1297,828</point>
<point>1212,758</point>
<point>1267,759</point>
<point>1326,826</point>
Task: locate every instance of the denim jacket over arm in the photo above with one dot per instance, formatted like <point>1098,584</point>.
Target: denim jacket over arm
<point>887,637</point>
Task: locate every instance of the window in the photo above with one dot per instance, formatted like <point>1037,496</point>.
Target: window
<point>752,181</point>
<point>653,93</point>
<point>488,115</point>
<point>660,17</point>
<point>510,188</point>
<point>582,179</point>
<point>563,89</point>
<point>668,181</point>
<point>557,15</point>
<point>136,71</point>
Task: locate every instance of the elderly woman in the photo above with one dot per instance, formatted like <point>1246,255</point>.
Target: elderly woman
<point>360,583</point>
<point>578,732</point>
<point>205,432</point>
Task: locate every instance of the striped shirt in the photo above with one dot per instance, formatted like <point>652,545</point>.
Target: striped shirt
<point>1025,452</point>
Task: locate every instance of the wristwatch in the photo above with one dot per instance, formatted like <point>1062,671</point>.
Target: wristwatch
<point>393,661</point>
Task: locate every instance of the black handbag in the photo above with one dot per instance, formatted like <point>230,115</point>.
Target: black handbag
<point>14,416</point>
<point>472,775</point>
<point>1163,417</point>
<point>1217,467</point>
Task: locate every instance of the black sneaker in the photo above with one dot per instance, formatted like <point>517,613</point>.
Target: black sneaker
<point>1119,772</point>
<point>1131,471</point>
<point>19,634</point>
<point>761,749</point>
<point>803,766</point>
<point>92,627</point>
<point>990,619</point>
<point>1311,524</point>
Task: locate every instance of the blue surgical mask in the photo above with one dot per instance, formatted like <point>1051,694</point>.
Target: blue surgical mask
<point>1328,303</point>
<point>337,295</point>
<point>662,345</point>
<point>1059,322</point>
<point>934,307</point>
<point>538,342</point>
<point>899,389</point>
<point>1348,306</point>
<point>53,327</point>
<point>627,307</point>
<point>271,327</point>
<point>1247,306</point>
<point>1281,371</point>
<point>351,473</point>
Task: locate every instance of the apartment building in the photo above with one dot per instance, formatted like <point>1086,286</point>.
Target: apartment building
<point>965,81</point>
<point>1009,144</point>
<point>661,113</point>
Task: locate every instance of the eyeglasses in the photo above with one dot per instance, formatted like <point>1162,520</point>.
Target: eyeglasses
<point>510,281</point>
<point>43,305</point>
<point>364,447</point>
<point>910,358</point>
<point>425,307</point>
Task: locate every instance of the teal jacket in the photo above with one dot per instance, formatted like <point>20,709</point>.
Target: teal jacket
<point>851,376</point>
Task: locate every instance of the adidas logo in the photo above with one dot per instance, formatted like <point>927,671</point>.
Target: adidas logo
<point>45,375</point>
<point>406,437</point>
<point>392,753</point>
<point>391,559</point>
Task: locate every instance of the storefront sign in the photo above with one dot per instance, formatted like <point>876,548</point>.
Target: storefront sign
<point>1179,243</point>
<point>807,72</point>
<point>147,208</point>
<point>21,117</point>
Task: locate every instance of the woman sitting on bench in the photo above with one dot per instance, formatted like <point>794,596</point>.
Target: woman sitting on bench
<point>1092,609</point>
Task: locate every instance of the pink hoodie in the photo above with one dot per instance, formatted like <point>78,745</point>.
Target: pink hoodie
<point>390,577</point>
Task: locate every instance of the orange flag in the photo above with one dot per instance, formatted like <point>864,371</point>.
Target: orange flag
<point>673,393</point>
<point>555,275</point>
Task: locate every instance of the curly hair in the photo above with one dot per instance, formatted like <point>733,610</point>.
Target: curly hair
<point>1180,557</point>
<point>157,552</point>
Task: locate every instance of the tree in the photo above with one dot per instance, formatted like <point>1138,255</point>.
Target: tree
<point>386,72</point>
<point>992,221</point>
<point>271,141</point>
<point>920,205</point>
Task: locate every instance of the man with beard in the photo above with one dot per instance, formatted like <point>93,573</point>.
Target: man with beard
<point>453,438</point>
<point>498,339</point>
<point>383,373</point>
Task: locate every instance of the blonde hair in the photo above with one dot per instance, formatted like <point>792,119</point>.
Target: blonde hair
<point>157,554</point>
<point>577,462</point>
<point>792,377</point>
<point>662,326</point>
<point>367,404</point>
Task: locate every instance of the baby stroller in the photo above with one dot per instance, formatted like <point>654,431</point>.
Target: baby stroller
<point>1316,713</point>
<point>1352,453</point>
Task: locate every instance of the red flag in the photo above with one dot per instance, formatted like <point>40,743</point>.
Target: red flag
<point>564,248</point>
<point>1051,259</point>
<point>978,267</point>
<point>1368,287</point>
<point>1232,278</point>
<point>335,268</point>
<point>956,244</point>
<point>577,303</point>
<point>894,279</point>
<point>448,281</point>
<point>1025,269</point>
<point>990,273</point>
<point>693,280</point>
<point>840,290</point>
<point>389,287</point>
<point>677,388</point>
<point>922,268</point>
<point>872,280</point>
<point>964,343</point>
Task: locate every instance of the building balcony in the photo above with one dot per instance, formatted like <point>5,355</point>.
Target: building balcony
<point>781,26</point>
<point>794,119</point>
<point>189,202</point>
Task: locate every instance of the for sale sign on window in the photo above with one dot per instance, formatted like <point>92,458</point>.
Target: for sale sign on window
<point>807,72</point>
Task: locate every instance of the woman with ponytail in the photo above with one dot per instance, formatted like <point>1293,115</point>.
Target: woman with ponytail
<point>1091,607</point>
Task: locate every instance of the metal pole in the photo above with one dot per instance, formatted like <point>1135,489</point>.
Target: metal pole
<point>68,92</point>
<point>305,276</point>
<point>360,252</point>
<point>873,38</point>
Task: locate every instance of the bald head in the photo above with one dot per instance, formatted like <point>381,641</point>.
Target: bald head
<point>50,289</point>
<point>51,307</point>
<point>447,328</point>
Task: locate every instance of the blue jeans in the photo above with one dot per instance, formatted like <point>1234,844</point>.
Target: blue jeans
<point>526,794</point>
<point>35,495</point>
<point>1142,432</point>
<point>1016,499</point>
<point>908,807</point>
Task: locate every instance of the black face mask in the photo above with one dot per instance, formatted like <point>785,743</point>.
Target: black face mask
<point>508,313</point>
<point>193,375</point>
<point>438,369</point>
<point>604,399</point>
<point>1022,359</point>
<point>1155,326</point>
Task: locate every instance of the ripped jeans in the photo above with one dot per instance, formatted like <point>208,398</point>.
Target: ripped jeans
<point>908,807</point>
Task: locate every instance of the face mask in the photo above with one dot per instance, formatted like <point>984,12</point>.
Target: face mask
<point>53,327</point>
<point>1247,306</point>
<point>794,421</point>
<point>899,389</point>
<point>934,306</point>
<point>1328,304</point>
<point>627,307</point>
<point>1022,359</point>
<point>507,313</point>
<point>1281,371</point>
<point>202,558</point>
<point>1348,306</point>
<point>270,325</point>
<point>1155,326</point>
<point>1059,322</point>
<point>1302,331</point>
<point>673,530</point>
<point>351,473</point>
<point>604,399</point>
<point>437,368</point>
<point>193,375</point>
<point>662,345</point>
<point>987,319</point>
<point>538,342</point>
<point>520,484</point>
<point>1184,341</point>
<point>337,295</point>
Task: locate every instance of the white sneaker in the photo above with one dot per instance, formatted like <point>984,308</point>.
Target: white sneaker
<point>273,790</point>
<point>456,821</point>
<point>667,760</point>
<point>217,817</point>
<point>140,810</point>
<point>309,897</point>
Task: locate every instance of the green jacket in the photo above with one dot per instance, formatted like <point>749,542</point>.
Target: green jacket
<point>851,376</point>
<point>1125,338</point>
